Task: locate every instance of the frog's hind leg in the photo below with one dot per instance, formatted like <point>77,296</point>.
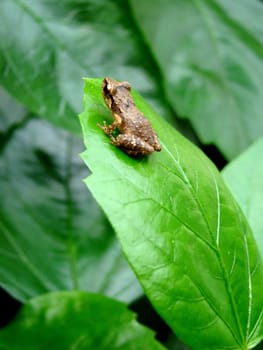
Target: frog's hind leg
<point>132,145</point>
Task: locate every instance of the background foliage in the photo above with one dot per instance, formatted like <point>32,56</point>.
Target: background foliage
<point>199,63</point>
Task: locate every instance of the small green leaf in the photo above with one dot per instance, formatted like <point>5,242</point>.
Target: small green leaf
<point>76,320</point>
<point>181,230</point>
<point>53,235</point>
<point>244,176</point>
<point>211,57</point>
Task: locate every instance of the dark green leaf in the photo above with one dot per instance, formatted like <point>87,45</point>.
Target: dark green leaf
<point>53,236</point>
<point>244,176</point>
<point>76,320</point>
<point>181,230</point>
<point>46,47</point>
<point>211,56</point>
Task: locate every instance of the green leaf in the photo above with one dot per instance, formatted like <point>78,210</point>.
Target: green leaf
<point>181,230</point>
<point>11,113</point>
<point>76,320</point>
<point>211,57</point>
<point>53,236</point>
<point>244,176</point>
<point>56,43</point>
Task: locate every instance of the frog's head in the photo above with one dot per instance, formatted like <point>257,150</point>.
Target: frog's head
<point>110,87</point>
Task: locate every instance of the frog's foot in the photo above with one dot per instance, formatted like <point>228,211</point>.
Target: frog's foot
<point>132,145</point>
<point>108,129</point>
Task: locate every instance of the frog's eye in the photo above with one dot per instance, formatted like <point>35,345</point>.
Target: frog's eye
<point>107,87</point>
<point>111,89</point>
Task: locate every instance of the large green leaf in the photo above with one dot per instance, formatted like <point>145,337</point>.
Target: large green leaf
<point>211,56</point>
<point>53,236</point>
<point>46,47</point>
<point>244,175</point>
<point>181,230</point>
<point>76,320</point>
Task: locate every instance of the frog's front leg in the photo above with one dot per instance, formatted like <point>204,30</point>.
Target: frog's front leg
<point>108,129</point>
<point>132,145</point>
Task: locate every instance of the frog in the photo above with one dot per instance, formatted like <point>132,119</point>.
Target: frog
<point>136,136</point>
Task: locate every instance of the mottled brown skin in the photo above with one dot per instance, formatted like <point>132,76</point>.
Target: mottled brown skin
<point>136,137</point>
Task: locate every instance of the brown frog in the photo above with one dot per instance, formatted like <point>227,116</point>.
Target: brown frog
<point>136,136</point>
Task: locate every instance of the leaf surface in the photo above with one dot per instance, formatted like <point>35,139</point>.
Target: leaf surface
<point>211,57</point>
<point>58,43</point>
<point>53,236</point>
<point>76,320</point>
<point>11,113</point>
<point>244,176</point>
<point>181,230</point>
